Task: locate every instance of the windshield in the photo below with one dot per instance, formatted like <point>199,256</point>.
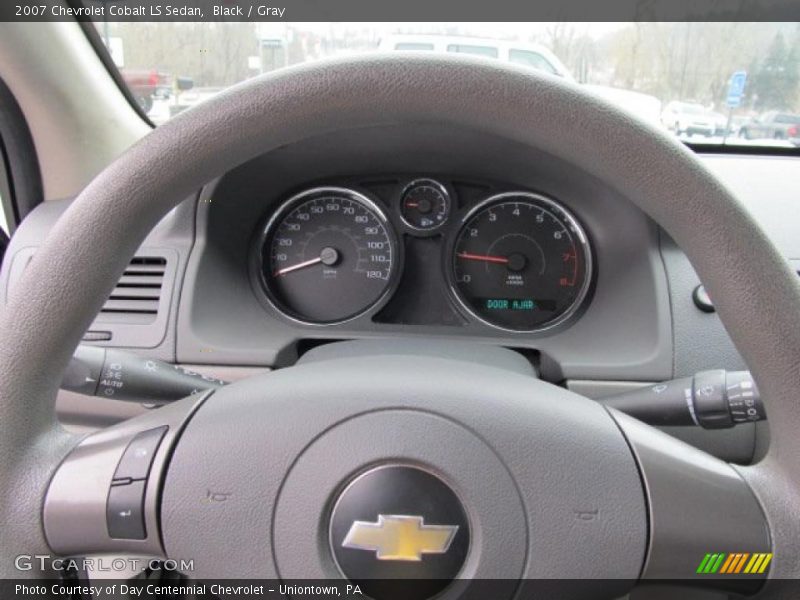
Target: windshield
<point>694,109</point>
<point>731,83</point>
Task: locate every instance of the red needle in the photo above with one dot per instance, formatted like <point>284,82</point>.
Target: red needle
<point>412,204</point>
<point>492,259</point>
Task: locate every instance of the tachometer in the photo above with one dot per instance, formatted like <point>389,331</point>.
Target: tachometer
<point>328,255</point>
<point>521,262</point>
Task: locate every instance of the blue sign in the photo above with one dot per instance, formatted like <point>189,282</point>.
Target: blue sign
<point>736,89</point>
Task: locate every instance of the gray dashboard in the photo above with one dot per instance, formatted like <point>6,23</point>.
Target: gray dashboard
<point>628,310</point>
<point>639,324</point>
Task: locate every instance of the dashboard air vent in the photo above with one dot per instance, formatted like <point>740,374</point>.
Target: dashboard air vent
<point>138,292</point>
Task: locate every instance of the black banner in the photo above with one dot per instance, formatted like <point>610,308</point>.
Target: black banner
<point>406,11</point>
<point>180,588</point>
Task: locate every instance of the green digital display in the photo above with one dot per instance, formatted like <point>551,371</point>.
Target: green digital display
<point>510,304</point>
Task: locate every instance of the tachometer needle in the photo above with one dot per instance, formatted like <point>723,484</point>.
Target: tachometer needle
<point>302,265</point>
<point>502,260</point>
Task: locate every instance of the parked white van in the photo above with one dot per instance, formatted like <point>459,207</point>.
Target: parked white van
<point>534,56</point>
<point>529,55</point>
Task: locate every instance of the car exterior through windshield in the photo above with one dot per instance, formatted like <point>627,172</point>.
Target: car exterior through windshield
<point>658,71</point>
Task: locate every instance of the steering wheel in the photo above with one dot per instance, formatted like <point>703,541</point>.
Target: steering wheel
<point>373,465</point>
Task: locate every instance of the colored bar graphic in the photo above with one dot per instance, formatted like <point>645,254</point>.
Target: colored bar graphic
<point>735,563</point>
<point>730,566</point>
<point>703,563</point>
<point>763,566</point>
<point>710,564</point>
<point>754,562</point>
<point>717,564</point>
<point>727,564</point>
<point>740,564</point>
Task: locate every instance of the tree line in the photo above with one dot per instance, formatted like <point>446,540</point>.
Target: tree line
<point>689,61</point>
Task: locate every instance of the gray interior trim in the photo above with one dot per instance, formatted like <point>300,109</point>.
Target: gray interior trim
<point>172,237</point>
<point>768,185</point>
<point>737,445</point>
<point>700,340</point>
<point>308,429</point>
<point>479,354</point>
<point>696,503</point>
<point>66,108</point>
<point>127,329</point>
<point>85,414</point>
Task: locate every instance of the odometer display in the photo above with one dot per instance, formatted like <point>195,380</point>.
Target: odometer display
<point>328,255</point>
<point>521,262</point>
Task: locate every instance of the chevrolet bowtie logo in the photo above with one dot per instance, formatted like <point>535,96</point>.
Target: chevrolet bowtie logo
<point>400,537</point>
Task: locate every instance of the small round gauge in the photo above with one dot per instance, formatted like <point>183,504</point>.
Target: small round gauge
<point>520,262</point>
<point>328,255</point>
<point>424,204</point>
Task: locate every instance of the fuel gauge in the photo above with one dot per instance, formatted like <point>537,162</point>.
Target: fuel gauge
<point>424,204</point>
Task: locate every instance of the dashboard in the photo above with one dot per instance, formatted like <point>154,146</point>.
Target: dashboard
<point>401,233</point>
<point>430,231</point>
<point>515,260</point>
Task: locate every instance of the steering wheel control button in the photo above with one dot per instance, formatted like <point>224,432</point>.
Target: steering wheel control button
<point>702,300</point>
<point>138,456</point>
<point>399,522</point>
<point>125,511</point>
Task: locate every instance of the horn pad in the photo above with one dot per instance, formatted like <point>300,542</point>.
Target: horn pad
<point>391,464</point>
<point>549,489</point>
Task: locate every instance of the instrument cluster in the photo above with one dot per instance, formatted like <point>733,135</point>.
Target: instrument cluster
<point>510,259</point>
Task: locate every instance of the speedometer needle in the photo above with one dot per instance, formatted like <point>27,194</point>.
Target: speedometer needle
<point>328,257</point>
<point>485,258</point>
<point>302,265</point>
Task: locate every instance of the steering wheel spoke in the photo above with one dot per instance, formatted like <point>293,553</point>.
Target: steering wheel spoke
<point>104,497</point>
<point>707,528</point>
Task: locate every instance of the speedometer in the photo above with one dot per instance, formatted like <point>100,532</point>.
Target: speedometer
<point>328,255</point>
<point>520,262</point>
